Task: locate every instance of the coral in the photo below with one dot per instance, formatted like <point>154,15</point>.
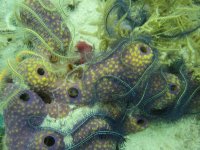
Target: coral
<point>174,89</point>
<point>23,105</point>
<point>19,116</point>
<point>99,144</point>
<point>89,127</point>
<point>136,19</point>
<point>134,124</point>
<point>114,110</point>
<point>37,74</point>
<point>52,100</point>
<point>57,109</point>
<point>47,23</point>
<point>126,64</point>
<point>46,140</point>
<point>167,87</point>
<point>93,127</point>
<point>71,93</point>
<point>115,76</point>
<point>137,56</point>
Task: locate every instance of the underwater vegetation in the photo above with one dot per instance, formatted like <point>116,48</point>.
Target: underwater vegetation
<point>54,99</point>
<point>160,23</point>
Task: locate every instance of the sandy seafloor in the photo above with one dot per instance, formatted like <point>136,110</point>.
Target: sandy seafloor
<point>184,134</point>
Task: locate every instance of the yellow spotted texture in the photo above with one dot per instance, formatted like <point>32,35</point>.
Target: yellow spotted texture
<point>62,92</point>
<point>19,110</point>
<point>127,64</point>
<point>89,127</point>
<point>48,24</point>
<point>37,142</point>
<point>132,125</point>
<point>30,70</point>
<point>113,109</point>
<point>171,94</point>
<point>57,109</point>
<point>137,56</point>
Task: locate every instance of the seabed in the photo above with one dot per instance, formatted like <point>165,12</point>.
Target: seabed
<point>148,49</point>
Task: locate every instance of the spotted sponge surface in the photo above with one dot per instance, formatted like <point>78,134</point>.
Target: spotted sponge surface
<point>57,109</point>
<point>36,74</point>
<point>43,18</point>
<point>101,144</point>
<point>120,71</point>
<point>23,117</point>
<point>70,93</point>
<point>172,90</point>
<point>16,116</point>
<point>110,79</point>
<point>89,127</point>
<point>138,56</point>
<point>46,140</point>
<point>161,94</point>
<point>134,124</point>
<point>86,135</point>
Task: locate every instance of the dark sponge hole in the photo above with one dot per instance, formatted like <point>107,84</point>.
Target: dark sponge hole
<point>9,39</point>
<point>49,141</point>
<point>143,49</point>
<point>73,92</point>
<point>45,97</point>
<point>141,121</point>
<point>24,97</point>
<point>40,71</point>
<point>173,87</point>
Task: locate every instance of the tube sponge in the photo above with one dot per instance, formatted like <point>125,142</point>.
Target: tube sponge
<point>46,23</point>
<point>37,74</point>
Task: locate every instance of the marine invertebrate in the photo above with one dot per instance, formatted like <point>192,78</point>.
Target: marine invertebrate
<point>133,19</point>
<point>109,144</point>
<point>116,74</point>
<point>193,105</point>
<point>47,23</point>
<point>114,110</point>
<point>37,74</point>
<point>21,103</point>
<point>164,91</point>
<point>24,104</point>
<point>109,92</point>
<point>169,95</point>
<point>46,140</point>
<point>90,126</point>
<point>17,115</point>
<point>174,88</point>
<point>70,92</point>
<point>57,109</point>
<point>134,124</point>
<point>96,130</point>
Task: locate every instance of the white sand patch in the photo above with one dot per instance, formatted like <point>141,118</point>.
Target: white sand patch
<point>81,18</point>
<point>181,135</point>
